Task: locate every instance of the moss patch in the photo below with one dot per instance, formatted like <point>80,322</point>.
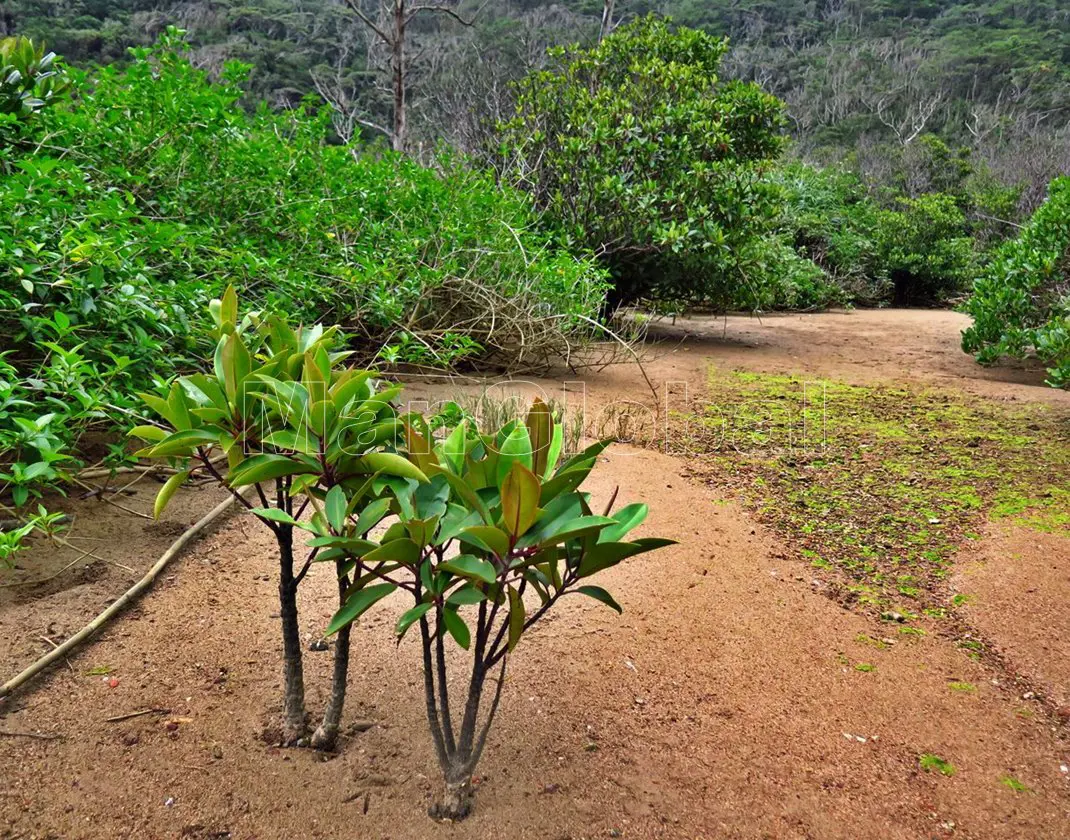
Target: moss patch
<point>885,482</point>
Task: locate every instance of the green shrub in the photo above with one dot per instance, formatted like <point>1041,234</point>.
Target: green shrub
<point>1021,303</point>
<point>157,190</point>
<point>30,79</point>
<point>644,155</point>
<point>925,249</point>
<point>832,222</point>
<point>491,533</point>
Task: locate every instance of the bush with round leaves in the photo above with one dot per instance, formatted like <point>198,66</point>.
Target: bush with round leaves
<point>1021,303</point>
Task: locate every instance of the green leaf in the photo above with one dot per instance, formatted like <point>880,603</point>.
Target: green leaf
<point>554,451</point>
<point>392,464</point>
<point>402,550</point>
<point>516,447</point>
<point>488,538</point>
<point>410,617</point>
<point>152,434</point>
<point>591,453</point>
<point>267,468</point>
<point>577,527</point>
<point>469,496</point>
<point>627,517</point>
<point>604,555</point>
<point>168,490</point>
<point>334,507</point>
<point>469,566</point>
<point>456,627</point>
<point>516,617</point>
<point>467,594</point>
<point>372,515</point>
<point>275,515</point>
<point>184,443</point>
<point>302,441</point>
<point>357,604</point>
<point>454,447</point>
<point>599,594</point>
<point>520,499</point>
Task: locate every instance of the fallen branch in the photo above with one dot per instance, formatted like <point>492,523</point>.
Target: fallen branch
<point>141,713</point>
<point>40,736</point>
<point>128,597</point>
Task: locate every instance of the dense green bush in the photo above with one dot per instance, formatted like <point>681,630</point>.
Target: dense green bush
<point>155,190</point>
<point>647,157</point>
<point>1021,303</point>
<point>925,249</point>
<point>832,222</point>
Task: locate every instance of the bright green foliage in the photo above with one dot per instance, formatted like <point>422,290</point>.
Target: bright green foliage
<point>490,532</point>
<point>925,248</point>
<point>301,429</point>
<point>832,222</point>
<point>1021,303</point>
<point>646,156</point>
<point>280,407</point>
<point>30,79</point>
<point>930,762</point>
<point>157,190</point>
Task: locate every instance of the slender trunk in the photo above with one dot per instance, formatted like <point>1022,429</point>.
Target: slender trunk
<point>607,20</point>
<point>459,761</point>
<point>326,735</point>
<point>292,672</point>
<point>397,69</point>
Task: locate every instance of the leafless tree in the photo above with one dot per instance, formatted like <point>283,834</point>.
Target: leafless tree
<point>342,87</point>
<point>389,22</point>
<point>911,100</point>
<point>607,19</point>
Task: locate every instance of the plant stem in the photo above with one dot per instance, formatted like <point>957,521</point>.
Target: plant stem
<point>326,735</point>
<point>292,670</point>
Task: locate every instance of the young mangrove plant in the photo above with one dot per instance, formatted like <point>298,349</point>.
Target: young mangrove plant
<point>287,429</point>
<point>490,533</point>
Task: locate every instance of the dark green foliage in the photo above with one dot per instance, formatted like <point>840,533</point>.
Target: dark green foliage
<point>1021,303</point>
<point>646,156</point>
<point>925,248</point>
<point>831,221</point>
<point>30,78</point>
<point>156,189</point>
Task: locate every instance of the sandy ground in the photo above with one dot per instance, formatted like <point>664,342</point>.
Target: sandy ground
<point>724,703</point>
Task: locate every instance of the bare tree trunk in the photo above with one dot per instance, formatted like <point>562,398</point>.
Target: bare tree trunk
<point>292,670</point>
<point>326,735</point>
<point>607,20</point>
<point>397,68</point>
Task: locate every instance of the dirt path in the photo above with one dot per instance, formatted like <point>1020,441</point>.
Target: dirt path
<point>726,702</point>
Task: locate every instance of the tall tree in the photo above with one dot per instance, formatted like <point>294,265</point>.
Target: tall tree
<point>389,23</point>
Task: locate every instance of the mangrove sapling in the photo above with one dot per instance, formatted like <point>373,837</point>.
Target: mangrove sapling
<point>295,425</point>
<point>489,520</point>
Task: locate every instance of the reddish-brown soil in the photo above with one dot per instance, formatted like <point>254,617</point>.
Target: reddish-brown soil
<point>724,703</point>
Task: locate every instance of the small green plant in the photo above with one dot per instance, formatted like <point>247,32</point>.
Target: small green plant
<point>1015,784</point>
<point>965,687</point>
<point>299,430</point>
<point>930,762</point>
<point>865,667</point>
<point>490,533</point>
